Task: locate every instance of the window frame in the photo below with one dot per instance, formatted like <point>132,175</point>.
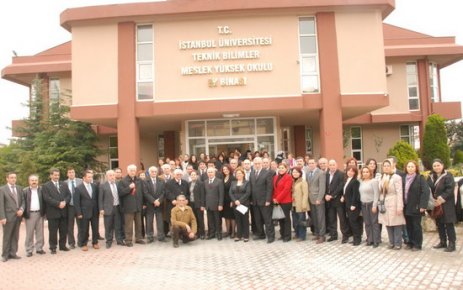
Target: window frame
<point>138,63</point>
<point>409,86</point>
<point>352,150</point>
<point>303,56</point>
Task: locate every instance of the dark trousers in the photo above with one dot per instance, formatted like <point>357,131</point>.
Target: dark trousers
<point>11,237</point>
<point>263,216</point>
<point>113,225</point>
<point>167,225</point>
<point>253,219</point>
<point>150,215</point>
<point>55,226</point>
<point>72,220</point>
<point>84,226</point>
<point>299,223</point>
<point>355,224</point>
<point>242,224</point>
<point>199,215</point>
<point>143,222</point>
<point>446,231</point>
<point>370,219</point>
<point>335,210</point>
<point>318,219</point>
<point>285,224</point>
<point>414,230</point>
<point>129,220</point>
<point>180,233</point>
<point>214,223</point>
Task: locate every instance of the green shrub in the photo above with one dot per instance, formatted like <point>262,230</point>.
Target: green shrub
<point>458,157</point>
<point>404,152</point>
<point>435,142</point>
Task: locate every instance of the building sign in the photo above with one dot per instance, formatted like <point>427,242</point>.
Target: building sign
<point>212,58</point>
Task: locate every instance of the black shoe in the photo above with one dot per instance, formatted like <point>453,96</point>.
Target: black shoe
<point>269,241</point>
<point>140,242</point>
<point>129,244</point>
<point>375,245</point>
<point>286,240</point>
<point>64,249</point>
<point>202,237</point>
<point>345,240</point>
<point>120,243</point>
<point>29,255</point>
<point>210,237</point>
<point>259,238</point>
<point>219,237</point>
<point>41,252</point>
<point>4,259</point>
<point>356,243</point>
<point>150,240</point>
<point>450,248</point>
<point>441,245</point>
<point>16,257</point>
<point>100,238</point>
<point>332,239</point>
<point>108,245</point>
<point>53,252</point>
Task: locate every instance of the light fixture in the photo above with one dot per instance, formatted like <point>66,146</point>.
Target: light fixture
<point>230,115</point>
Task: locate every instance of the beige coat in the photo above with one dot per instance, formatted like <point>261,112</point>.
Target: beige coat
<point>301,195</point>
<point>394,215</point>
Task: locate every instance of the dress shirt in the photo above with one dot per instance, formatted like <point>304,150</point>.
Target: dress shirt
<point>72,189</point>
<point>114,192</point>
<point>35,204</point>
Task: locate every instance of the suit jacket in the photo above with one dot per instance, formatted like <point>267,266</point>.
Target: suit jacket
<point>8,206</point>
<point>151,196</point>
<point>27,199</point>
<point>261,187</point>
<point>131,201</point>
<point>352,197</point>
<point>106,199</point>
<point>317,185</point>
<point>52,198</point>
<point>444,188</point>
<point>173,189</point>
<point>213,194</point>
<point>241,193</point>
<point>84,204</point>
<point>199,194</point>
<point>417,197</point>
<point>334,188</point>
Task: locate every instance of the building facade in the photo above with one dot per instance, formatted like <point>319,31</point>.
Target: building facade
<point>327,78</point>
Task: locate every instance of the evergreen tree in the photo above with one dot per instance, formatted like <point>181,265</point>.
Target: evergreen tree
<point>435,142</point>
<point>404,152</point>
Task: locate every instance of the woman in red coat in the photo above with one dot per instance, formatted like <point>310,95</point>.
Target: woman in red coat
<point>282,196</point>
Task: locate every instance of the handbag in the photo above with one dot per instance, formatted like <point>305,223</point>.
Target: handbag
<point>277,213</point>
<point>381,206</point>
<point>437,212</point>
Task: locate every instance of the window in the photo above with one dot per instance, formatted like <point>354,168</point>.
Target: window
<point>412,87</point>
<point>145,69</point>
<point>53,91</point>
<point>411,135</point>
<point>434,82</point>
<point>113,152</point>
<point>161,153</point>
<point>308,55</point>
<point>308,141</point>
<point>356,143</point>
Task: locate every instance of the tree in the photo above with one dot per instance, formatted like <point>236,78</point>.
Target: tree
<point>404,152</point>
<point>455,135</point>
<point>50,139</point>
<point>435,142</point>
<point>458,157</point>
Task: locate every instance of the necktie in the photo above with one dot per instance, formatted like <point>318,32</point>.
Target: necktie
<point>89,189</point>
<point>154,185</point>
<point>257,173</point>
<point>57,187</point>
<point>210,181</point>
<point>115,195</point>
<point>15,195</point>
<point>310,174</point>
<point>73,189</point>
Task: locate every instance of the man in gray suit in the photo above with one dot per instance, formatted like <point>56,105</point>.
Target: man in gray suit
<point>11,212</point>
<point>214,204</point>
<point>34,213</point>
<point>153,193</point>
<point>110,208</point>
<point>261,190</point>
<point>317,184</point>
<point>72,182</point>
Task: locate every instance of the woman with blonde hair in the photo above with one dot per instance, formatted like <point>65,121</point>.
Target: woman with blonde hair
<point>300,192</point>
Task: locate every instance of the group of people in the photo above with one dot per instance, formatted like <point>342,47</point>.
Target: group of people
<point>250,193</point>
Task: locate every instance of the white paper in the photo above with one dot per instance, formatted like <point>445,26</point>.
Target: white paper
<point>242,209</point>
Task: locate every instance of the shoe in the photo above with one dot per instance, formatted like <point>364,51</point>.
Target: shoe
<point>100,238</point>
<point>4,259</point>
<point>356,243</point>
<point>237,239</point>
<point>162,240</point>
<point>150,240</point>
<point>175,245</point>
<point>40,252</point>
<point>129,244</point>
<point>141,242</point>
<point>397,248</point>
<point>72,247</point>
<point>219,237</point>
<point>245,240</point>
<point>29,255</point>
<point>344,241</point>
<point>108,245</point>
<point>390,247</point>
<point>202,237</point>
<point>53,252</point>
<point>441,245</point>
<point>375,245</point>
<point>96,246</point>
<point>450,248</point>
<point>368,244</point>
<point>85,248</point>
<point>320,240</point>
<point>15,257</point>
<point>64,249</point>
<point>259,238</point>
<point>120,243</point>
<point>332,239</point>
<point>269,241</point>
<point>408,247</point>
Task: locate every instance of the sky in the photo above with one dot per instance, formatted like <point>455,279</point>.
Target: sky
<point>29,27</point>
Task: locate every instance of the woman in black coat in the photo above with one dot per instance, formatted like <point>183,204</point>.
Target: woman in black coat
<point>227,212</point>
<point>459,200</point>
<point>353,203</point>
<point>416,197</point>
<point>240,193</point>
<point>442,185</point>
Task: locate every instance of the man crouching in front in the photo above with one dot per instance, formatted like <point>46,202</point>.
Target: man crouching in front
<point>183,222</point>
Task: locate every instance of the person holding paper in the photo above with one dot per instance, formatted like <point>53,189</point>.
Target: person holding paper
<point>240,193</point>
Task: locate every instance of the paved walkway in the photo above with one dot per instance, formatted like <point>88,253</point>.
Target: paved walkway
<point>236,265</point>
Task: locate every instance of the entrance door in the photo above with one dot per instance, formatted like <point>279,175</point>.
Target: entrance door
<point>217,148</point>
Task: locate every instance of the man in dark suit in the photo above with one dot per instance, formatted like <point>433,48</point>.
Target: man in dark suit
<point>86,205</point>
<point>56,196</point>
<point>335,206</point>
<point>316,179</point>
<point>261,192</point>
<point>130,190</point>
<point>11,212</point>
<point>72,182</point>
<point>153,193</point>
<point>174,187</point>
<point>214,195</point>
<point>109,205</point>
<point>197,202</point>
<point>34,213</point>
<point>202,170</point>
